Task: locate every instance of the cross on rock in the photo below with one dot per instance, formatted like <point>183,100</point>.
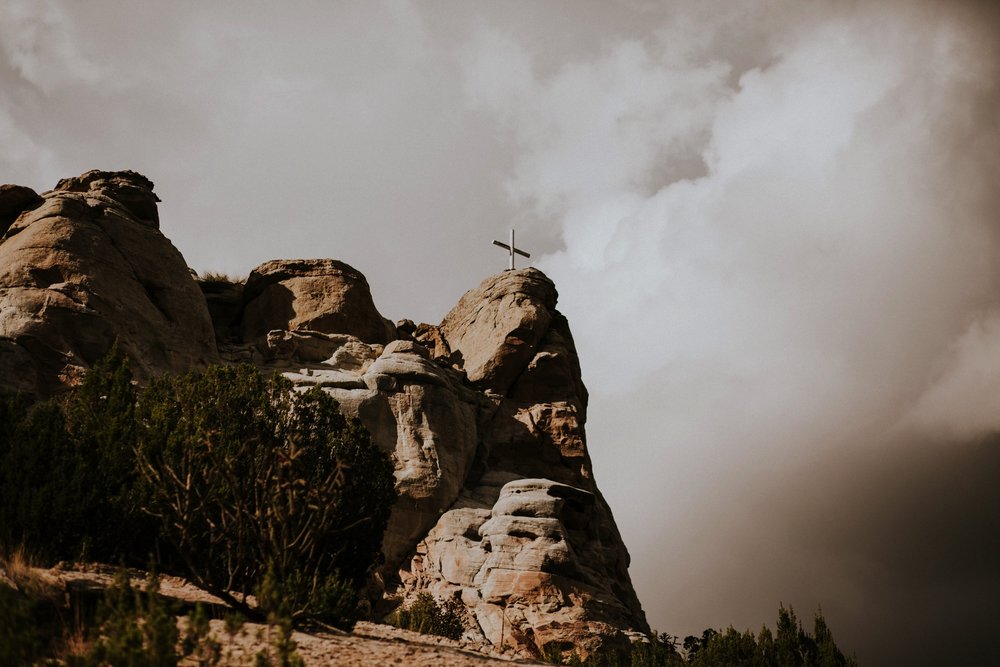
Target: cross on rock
<point>511,249</point>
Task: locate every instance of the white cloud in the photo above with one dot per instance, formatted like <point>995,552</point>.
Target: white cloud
<point>38,43</point>
<point>19,153</point>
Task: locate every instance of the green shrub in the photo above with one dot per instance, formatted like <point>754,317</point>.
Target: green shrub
<point>245,475</point>
<point>26,627</point>
<point>426,616</point>
<point>791,646</point>
<point>274,601</point>
<point>198,644</point>
<point>67,471</point>
<point>661,650</point>
<point>552,652</point>
<point>42,477</point>
<point>137,629</point>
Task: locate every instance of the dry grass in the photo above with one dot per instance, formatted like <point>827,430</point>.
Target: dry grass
<point>220,277</point>
<point>19,570</point>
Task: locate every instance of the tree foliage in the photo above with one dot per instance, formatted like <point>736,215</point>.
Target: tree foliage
<point>790,646</point>
<point>222,475</point>
<point>67,470</point>
<point>136,628</point>
<point>426,616</point>
<point>247,475</point>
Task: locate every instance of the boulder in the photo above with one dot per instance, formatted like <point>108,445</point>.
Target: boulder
<point>322,295</point>
<point>495,329</point>
<point>524,569</point>
<point>430,336</point>
<point>87,266</point>
<point>126,189</point>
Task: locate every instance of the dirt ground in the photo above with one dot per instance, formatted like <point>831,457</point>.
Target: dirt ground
<point>370,644</point>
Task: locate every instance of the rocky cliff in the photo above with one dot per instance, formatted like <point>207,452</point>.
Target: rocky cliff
<point>84,264</point>
<point>483,414</point>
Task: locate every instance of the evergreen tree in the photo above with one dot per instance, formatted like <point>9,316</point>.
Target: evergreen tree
<point>786,641</point>
<point>246,475</point>
<point>100,419</point>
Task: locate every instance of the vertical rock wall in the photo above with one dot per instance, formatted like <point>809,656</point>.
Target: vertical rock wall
<point>484,417</point>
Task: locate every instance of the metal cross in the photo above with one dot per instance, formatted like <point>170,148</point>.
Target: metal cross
<point>511,249</point>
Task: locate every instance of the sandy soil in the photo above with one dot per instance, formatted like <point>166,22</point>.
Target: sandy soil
<point>369,644</point>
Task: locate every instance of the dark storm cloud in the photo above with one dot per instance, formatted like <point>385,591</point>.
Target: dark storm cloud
<point>816,278</point>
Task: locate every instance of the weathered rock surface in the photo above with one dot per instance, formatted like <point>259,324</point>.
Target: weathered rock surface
<point>315,294</point>
<point>417,410</point>
<point>484,415</point>
<point>524,568</point>
<point>496,328</point>
<point>85,264</point>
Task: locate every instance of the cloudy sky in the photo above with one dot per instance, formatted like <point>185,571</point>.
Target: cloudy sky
<point>773,226</point>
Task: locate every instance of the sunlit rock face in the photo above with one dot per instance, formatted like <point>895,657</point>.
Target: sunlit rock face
<point>83,265</point>
<point>483,414</point>
<point>312,294</point>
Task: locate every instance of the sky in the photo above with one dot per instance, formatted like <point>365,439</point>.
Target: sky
<point>773,226</point>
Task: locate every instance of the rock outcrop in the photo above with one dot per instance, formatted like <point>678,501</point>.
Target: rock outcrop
<point>495,330</point>
<point>483,415</point>
<point>532,569</point>
<point>85,264</point>
<point>312,294</point>
<point>530,546</point>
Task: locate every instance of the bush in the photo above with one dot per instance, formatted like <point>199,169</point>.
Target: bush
<point>42,477</point>
<point>136,628</point>
<point>426,616</point>
<point>238,473</point>
<point>248,476</point>
<point>101,421</point>
<point>67,470</point>
<point>220,277</point>
<point>27,626</point>
<point>791,646</point>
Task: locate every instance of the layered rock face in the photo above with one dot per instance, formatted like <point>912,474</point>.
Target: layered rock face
<point>530,545</point>
<point>84,264</point>
<point>483,415</point>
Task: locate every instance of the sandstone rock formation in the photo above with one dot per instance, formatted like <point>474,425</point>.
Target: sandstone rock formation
<point>530,546</point>
<point>532,569</point>
<point>313,294</point>
<point>483,414</point>
<point>85,264</point>
<point>495,329</point>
